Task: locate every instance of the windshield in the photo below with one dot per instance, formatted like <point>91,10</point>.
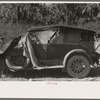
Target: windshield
<point>44,36</point>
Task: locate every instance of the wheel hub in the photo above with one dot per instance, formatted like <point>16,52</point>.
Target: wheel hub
<point>18,60</point>
<point>77,66</point>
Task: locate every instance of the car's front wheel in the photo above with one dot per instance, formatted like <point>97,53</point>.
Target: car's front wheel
<point>17,62</point>
<point>78,66</point>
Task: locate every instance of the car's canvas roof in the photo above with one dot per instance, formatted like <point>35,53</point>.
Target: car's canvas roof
<point>40,28</point>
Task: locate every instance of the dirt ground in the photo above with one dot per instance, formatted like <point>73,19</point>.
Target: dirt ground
<point>49,75</point>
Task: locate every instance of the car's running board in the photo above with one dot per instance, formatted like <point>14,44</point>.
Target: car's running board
<point>48,67</point>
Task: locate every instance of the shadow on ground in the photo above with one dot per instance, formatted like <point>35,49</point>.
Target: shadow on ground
<point>49,73</point>
<point>54,73</point>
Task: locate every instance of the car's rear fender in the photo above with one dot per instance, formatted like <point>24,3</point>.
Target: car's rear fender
<point>76,52</point>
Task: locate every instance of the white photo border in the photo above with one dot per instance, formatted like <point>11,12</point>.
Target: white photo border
<point>40,89</point>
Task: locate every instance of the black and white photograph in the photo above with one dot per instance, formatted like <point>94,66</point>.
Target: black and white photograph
<point>50,49</point>
<point>49,42</point>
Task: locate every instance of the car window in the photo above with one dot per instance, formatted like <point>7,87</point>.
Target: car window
<point>44,36</point>
<point>35,39</point>
<point>57,38</point>
<point>72,36</point>
<point>86,37</point>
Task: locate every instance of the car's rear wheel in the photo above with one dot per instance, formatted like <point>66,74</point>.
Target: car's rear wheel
<point>78,66</point>
<point>17,62</point>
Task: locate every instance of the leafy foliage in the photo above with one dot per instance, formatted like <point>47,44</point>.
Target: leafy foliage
<point>16,18</point>
<point>40,13</point>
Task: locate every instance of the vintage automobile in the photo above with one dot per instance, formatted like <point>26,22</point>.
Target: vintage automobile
<point>56,46</point>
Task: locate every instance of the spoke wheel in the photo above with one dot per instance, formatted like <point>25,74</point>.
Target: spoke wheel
<point>17,62</point>
<point>78,66</point>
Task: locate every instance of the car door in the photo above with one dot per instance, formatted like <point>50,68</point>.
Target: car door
<point>62,43</point>
<point>56,49</point>
<point>39,42</point>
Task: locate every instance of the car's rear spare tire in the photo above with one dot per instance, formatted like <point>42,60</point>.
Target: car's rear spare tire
<point>78,66</point>
<point>17,62</point>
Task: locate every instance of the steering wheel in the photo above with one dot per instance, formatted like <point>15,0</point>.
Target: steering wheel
<point>35,39</point>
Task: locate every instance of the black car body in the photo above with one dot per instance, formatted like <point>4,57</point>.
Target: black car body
<point>53,45</point>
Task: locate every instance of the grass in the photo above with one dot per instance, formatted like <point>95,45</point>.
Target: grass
<point>50,75</point>
<point>9,30</point>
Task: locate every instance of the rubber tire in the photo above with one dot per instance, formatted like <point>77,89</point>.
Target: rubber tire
<point>70,71</point>
<point>13,67</point>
